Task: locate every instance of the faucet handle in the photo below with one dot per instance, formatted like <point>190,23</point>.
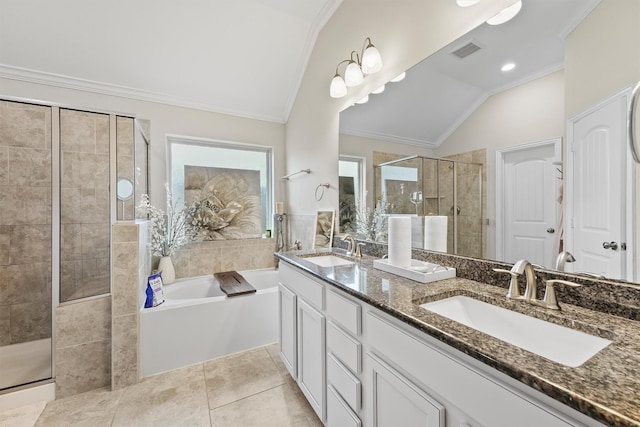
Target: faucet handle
<point>550,299</point>
<point>358,250</point>
<point>514,288</point>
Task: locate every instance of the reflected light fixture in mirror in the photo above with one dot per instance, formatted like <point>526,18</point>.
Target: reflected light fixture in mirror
<point>368,62</point>
<point>506,14</point>
<point>379,90</point>
<point>363,100</point>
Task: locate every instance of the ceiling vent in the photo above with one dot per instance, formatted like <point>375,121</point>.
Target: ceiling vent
<point>466,50</point>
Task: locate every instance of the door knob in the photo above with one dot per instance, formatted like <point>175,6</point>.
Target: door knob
<point>551,230</point>
<point>610,245</point>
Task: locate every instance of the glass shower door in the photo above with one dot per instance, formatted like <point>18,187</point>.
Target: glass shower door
<point>25,243</point>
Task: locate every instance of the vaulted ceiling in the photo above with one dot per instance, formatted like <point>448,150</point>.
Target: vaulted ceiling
<point>240,57</point>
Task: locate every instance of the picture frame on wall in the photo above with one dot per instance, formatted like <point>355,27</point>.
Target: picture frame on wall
<point>323,237</point>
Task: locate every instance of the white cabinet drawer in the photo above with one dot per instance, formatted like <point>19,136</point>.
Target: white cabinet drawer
<point>344,312</point>
<point>302,285</point>
<point>338,412</point>
<point>344,347</point>
<point>486,401</point>
<point>347,385</point>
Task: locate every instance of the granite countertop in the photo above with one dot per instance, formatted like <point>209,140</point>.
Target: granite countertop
<point>605,388</point>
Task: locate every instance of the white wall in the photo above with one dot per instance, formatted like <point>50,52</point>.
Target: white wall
<point>602,54</point>
<point>165,119</point>
<point>527,113</point>
<point>405,32</point>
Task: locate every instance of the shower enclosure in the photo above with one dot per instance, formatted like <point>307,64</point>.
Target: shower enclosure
<point>57,169</point>
<point>423,186</point>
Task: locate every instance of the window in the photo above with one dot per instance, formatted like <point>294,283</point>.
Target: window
<point>240,174</point>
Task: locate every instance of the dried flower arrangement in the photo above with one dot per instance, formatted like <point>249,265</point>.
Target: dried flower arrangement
<point>168,232</point>
<point>370,223</point>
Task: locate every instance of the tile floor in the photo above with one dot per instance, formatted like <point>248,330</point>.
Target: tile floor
<point>252,388</point>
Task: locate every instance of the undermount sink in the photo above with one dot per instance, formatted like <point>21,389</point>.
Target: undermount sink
<point>328,261</point>
<point>558,343</point>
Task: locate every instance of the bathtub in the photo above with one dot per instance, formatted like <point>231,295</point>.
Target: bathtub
<point>198,322</point>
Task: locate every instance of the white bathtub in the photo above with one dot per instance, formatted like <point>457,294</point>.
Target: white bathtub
<point>197,322</point>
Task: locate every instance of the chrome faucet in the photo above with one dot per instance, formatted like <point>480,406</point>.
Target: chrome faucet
<point>351,243</point>
<point>563,257</point>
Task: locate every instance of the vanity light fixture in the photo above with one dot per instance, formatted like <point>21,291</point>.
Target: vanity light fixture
<point>506,14</point>
<point>379,90</point>
<point>363,100</point>
<point>368,62</point>
<point>508,66</point>
<point>399,77</point>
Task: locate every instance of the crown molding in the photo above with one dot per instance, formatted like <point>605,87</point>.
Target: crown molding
<point>389,138</point>
<point>74,83</point>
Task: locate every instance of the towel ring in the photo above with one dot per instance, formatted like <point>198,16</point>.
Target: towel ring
<point>323,186</point>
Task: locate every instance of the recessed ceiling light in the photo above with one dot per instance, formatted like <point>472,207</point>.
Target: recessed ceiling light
<point>508,66</point>
<point>466,3</point>
<point>379,90</point>
<point>506,14</point>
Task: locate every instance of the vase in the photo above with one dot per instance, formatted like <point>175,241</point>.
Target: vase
<point>165,266</point>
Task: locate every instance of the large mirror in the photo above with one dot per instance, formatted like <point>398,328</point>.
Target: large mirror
<point>460,106</point>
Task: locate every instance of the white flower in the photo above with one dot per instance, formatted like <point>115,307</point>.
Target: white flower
<point>170,231</point>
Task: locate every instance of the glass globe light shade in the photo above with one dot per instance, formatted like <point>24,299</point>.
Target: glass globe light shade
<point>338,88</point>
<point>379,90</point>
<point>400,77</point>
<point>353,74</point>
<point>506,14</point>
<point>371,60</point>
<point>363,100</point>
<point>466,3</point>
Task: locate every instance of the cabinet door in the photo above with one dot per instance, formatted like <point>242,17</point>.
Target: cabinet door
<point>311,356</point>
<point>288,330</point>
<point>398,402</point>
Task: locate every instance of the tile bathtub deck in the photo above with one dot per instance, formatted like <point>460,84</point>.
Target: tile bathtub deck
<point>252,388</point>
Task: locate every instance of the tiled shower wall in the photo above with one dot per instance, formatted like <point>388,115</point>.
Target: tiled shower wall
<point>25,222</point>
<point>85,208</point>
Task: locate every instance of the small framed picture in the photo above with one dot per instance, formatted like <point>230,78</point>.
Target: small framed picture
<point>324,229</point>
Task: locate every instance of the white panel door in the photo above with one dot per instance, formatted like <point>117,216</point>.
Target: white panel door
<point>311,356</point>
<point>288,329</point>
<point>530,203</point>
<point>598,182</point>
<point>395,401</point>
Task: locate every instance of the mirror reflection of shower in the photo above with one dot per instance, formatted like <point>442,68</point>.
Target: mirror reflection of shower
<point>422,186</point>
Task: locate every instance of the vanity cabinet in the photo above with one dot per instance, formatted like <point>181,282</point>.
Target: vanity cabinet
<point>375,370</point>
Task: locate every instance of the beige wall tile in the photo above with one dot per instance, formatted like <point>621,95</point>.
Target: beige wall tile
<point>95,240</point>
<point>125,278</point>
<point>4,165</point>
<point>29,167</point>
<point>29,244</point>
<point>83,368</point>
<point>5,239</point>
<point>82,322</point>
<point>124,232</point>
<point>25,205</point>
<point>70,241</point>
<point>30,321</point>
<point>5,324</point>
<point>124,353</point>
<point>84,132</point>
<point>23,125</point>
<point>18,278</point>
